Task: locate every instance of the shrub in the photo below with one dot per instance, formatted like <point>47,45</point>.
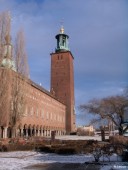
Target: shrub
<point>47,149</point>
<point>3,148</point>
<point>66,151</point>
<point>118,140</point>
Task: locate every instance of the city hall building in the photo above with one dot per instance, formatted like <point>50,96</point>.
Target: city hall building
<point>47,111</point>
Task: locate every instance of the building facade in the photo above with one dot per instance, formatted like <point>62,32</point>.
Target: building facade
<point>44,111</point>
<point>85,130</point>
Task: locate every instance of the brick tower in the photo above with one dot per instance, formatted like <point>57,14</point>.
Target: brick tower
<point>62,77</point>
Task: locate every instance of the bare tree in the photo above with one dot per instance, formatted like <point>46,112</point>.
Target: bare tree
<point>20,55</point>
<point>110,108</point>
<point>5,27</point>
<point>19,83</point>
<point>12,79</point>
<point>5,74</point>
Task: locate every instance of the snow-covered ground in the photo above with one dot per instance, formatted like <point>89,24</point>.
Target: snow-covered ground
<point>21,159</point>
<point>75,137</point>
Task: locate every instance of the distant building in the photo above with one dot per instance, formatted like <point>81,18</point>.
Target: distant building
<point>45,111</point>
<point>85,130</point>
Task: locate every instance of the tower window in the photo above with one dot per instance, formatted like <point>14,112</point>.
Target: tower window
<point>58,57</point>
<point>61,57</point>
<point>63,41</point>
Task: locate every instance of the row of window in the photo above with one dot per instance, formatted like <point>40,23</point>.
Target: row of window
<point>41,114</point>
<point>51,103</point>
<point>60,57</point>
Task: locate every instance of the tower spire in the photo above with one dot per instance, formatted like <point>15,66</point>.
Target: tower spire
<point>62,27</point>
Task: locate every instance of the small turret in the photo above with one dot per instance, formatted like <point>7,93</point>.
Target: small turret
<point>7,61</point>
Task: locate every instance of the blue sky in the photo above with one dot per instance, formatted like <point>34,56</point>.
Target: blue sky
<point>98,32</point>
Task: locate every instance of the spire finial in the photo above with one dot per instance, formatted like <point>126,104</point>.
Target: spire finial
<point>61,28</point>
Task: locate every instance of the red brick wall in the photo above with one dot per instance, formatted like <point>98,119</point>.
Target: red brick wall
<point>43,110</point>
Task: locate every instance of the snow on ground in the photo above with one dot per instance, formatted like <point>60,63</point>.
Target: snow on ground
<point>75,137</point>
<point>21,159</point>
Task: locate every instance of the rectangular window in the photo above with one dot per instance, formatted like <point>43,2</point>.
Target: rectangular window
<point>51,116</point>
<point>42,114</point>
<point>47,115</point>
<point>32,111</point>
<point>26,111</point>
<point>37,113</point>
<point>12,106</point>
